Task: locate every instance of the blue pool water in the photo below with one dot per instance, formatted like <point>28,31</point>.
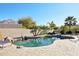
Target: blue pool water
<point>35,42</point>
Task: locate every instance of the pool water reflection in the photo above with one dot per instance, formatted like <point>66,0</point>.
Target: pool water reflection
<point>35,42</point>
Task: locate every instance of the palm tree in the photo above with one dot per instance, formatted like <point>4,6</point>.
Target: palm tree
<point>70,21</point>
<point>52,25</point>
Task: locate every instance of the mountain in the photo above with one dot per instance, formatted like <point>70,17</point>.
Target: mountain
<point>8,21</point>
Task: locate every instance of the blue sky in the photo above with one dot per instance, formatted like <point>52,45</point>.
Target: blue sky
<point>41,13</point>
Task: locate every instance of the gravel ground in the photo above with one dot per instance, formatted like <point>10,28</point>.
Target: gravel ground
<point>15,32</point>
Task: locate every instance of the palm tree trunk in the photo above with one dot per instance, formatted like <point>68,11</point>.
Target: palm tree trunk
<point>69,27</point>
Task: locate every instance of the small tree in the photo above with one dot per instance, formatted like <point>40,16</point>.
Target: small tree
<point>27,22</point>
<point>52,25</point>
<point>64,29</point>
<point>34,30</point>
<point>38,30</point>
<point>43,29</point>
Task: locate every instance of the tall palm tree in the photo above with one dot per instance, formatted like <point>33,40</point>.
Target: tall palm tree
<point>70,21</point>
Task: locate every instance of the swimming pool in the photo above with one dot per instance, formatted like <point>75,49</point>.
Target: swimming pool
<point>35,42</point>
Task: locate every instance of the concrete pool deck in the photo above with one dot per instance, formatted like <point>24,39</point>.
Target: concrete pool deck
<point>58,48</point>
